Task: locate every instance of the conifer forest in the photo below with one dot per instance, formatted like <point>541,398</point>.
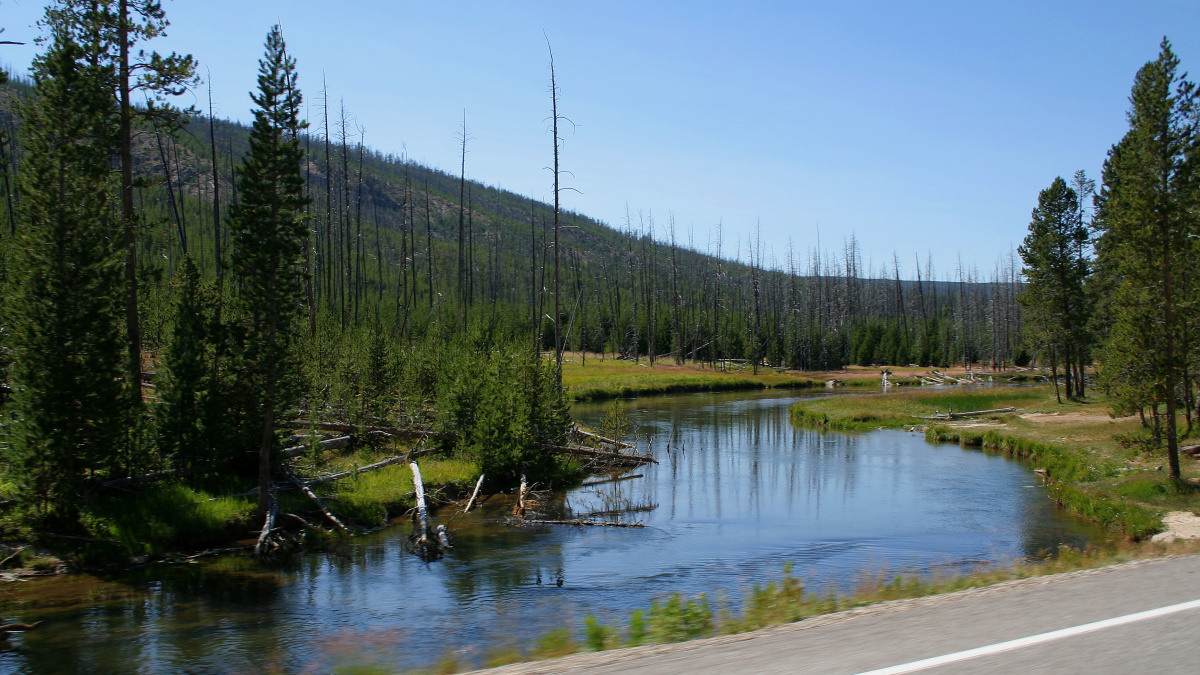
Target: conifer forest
<point>184,296</point>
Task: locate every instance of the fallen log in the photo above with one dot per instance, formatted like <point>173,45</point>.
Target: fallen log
<point>600,454</point>
<point>327,444</point>
<point>391,431</point>
<point>595,523</point>
<point>471,501</point>
<point>362,469</point>
<point>307,525</point>
<point>579,430</point>
<point>316,500</point>
<point>422,524</point>
<point>973,413</point>
<point>611,480</point>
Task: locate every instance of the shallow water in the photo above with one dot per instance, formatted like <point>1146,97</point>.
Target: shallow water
<point>739,494</point>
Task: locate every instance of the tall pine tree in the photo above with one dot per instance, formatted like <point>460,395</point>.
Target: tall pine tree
<point>68,361</point>
<point>268,245</point>
<point>1055,269</point>
<point>1148,224</point>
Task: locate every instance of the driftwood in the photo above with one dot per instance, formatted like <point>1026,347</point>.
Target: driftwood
<point>327,444</point>
<point>443,537</point>
<point>973,413</point>
<point>391,431</point>
<point>316,500</point>
<point>422,524</point>
<point>261,547</point>
<point>307,525</point>
<point>595,523</point>
<point>362,469</point>
<point>579,451</point>
<point>13,555</point>
<point>611,480</point>
<point>471,501</point>
<point>622,444</point>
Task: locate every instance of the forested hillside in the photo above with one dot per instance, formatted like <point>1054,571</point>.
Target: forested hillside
<point>385,242</point>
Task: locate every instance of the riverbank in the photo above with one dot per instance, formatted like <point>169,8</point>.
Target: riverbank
<point>1099,467</point>
<point>589,377</point>
<point>176,521</point>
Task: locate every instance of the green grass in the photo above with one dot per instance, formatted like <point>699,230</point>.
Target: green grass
<point>891,410</point>
<point>374,496</point>
<point>613,378</point>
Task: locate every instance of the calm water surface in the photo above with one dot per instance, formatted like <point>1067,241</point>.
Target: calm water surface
<point>739,494</point>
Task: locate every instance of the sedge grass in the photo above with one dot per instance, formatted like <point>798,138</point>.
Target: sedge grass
<point>891,410</point>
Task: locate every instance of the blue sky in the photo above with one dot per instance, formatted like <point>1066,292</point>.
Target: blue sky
<point>920,128</point>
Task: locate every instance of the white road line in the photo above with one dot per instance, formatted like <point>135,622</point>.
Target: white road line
<point>923,664</point>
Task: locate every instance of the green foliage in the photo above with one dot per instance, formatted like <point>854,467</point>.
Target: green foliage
<point>1055,270</point>
<point>72,406</point>
<point>637,628</point>
<point>553,644</point>
<point>499,403</point>
<point>616,423</point>
<point>187,409</point>
<point>1149,244</point>
<point>268,242</point>
<point>677,620</point>
<point>598,636</point>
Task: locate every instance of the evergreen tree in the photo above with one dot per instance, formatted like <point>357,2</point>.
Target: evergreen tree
<point>1055,269</point>
<point>268,236</point>
<point>67,370</point>
<point>186,386</point>
<point>1147,218</point>
<point>109,30</point>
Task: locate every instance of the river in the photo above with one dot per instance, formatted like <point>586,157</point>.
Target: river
<point>739,493</point>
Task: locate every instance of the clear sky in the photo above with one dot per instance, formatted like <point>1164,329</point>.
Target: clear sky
<point>917,127</point>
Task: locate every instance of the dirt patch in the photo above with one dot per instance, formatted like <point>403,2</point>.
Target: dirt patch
<point>1071,417</point>
<point>1180,525</point>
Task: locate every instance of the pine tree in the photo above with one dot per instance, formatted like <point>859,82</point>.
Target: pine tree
<point>109,30</point>
<point>1055,270</point>
<point>186,388</point>
<point>1149,232</point>
<point>268,245</point>
<point>67,370</point>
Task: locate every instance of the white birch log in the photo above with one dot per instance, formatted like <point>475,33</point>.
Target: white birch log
<point>422,523</point>
<point>471,501</point>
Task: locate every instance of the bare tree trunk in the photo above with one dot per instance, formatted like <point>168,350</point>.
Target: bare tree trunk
<point>133,331</point>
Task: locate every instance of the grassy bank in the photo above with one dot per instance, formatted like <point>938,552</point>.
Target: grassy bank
<point>907,408</point>
<point>593,378</point>
<point>168,517</point>
<point>1101,468</point>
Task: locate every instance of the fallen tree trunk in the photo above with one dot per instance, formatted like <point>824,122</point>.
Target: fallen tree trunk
<point>580,451</point>
<point>327,444</point>
<point>471,501</point>
<point>579,430</point>
<point>610,480</point>
<point>316,500</point>
<point>422,524</point>
<point>595,523</point>
<point>362,469</point>
<point>391,431</point>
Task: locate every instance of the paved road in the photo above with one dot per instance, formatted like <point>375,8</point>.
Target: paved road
<point>903,633</point>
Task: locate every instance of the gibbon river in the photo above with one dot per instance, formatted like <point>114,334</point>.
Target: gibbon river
<point>740,493</point>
